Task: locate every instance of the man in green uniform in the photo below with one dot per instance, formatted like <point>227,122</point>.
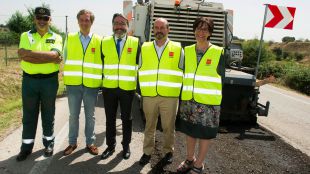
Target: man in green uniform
<point>40,51</point>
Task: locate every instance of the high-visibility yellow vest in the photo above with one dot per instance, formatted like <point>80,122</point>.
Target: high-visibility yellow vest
<point>83,68</point>
<point>160,76</point>
<point>120,72</point>
<point>32,40</point>
<point>202,82</point>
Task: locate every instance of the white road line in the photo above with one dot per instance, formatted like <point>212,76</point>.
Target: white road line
<point>43,163</point>
<point>299,100</point>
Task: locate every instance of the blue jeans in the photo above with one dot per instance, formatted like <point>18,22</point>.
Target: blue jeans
<point>77,94</point>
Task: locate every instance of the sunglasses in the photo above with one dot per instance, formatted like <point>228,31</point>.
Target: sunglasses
<point>44,18</point>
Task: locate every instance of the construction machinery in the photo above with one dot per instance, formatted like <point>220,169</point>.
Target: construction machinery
<point>240,88</point>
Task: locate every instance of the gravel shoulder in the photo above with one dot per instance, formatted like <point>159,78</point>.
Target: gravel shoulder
<point>241,150</point>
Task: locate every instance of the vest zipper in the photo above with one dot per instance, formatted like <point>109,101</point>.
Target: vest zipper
<point>84,52</point>
<point>159,59</point>
<point>119,60</point>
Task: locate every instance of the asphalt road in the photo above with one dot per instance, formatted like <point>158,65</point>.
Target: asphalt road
<point>79,161</point>
<point>289,116</point>
<point>241,150</point>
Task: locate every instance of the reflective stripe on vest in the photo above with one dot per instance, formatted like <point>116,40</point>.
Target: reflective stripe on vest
<point>83,68</point>
<point>201,81</point>
<point>160,77</point>
<point>120,72</point>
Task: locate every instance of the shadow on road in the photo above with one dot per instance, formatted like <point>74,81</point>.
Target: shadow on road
<point>247,131</point>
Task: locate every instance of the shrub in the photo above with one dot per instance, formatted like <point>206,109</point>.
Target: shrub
<point>290,73</point>
<point>274,68</point>
<point>250,53</point>
<point>299,79</point>
<point>288,39</point>
<point>278,52</point>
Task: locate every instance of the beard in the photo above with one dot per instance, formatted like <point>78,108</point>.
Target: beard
<point>159,35</point>
<point>119,33</point>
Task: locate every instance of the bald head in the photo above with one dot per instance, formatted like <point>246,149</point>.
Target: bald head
<point>162,21</point>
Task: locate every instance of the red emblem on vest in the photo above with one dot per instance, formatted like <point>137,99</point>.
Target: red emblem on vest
<point>93,50</point>
<point>209,61</point>
<point>129,50</point>
<point>171,54</point>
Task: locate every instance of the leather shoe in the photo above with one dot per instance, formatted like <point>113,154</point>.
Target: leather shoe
<point>144,159</point>
<point>69,149</point>
<point>108,152</point>
<point>23,155</point>
<point>126,153</point>
<point>168,158</point>
<point>92,149</point>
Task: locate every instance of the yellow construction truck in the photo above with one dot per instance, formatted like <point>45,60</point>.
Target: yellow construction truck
<point>240,87</point>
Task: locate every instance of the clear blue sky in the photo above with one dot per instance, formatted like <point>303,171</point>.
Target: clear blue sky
<point>248,15</point>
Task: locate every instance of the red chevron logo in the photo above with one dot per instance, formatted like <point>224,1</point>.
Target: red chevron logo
<point>280,17</point>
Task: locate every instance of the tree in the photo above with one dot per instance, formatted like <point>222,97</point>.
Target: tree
<point>19,23</point>
<point>250,53</point>
<point>288,39</point>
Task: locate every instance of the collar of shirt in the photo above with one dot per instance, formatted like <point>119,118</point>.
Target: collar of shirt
<point>34,30</point>
<point>123,39</point>
<point>160,49</point>
<point>85,40</point>
<point>85,37</point>
<point>162,45</point>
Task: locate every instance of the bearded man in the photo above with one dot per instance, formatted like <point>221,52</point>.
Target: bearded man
<point>120,62</point>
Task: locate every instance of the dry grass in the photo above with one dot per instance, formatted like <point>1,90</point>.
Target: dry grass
<point>10,100</point>
<point>10,96</point>
<point>302,48</point>
<point>11,52</point>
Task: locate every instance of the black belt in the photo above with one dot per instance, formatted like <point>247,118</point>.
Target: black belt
<point>40,76</point>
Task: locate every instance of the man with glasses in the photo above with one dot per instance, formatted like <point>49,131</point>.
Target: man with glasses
<point>121,56</point>
<point>40,53</point>
<point>82,77</point>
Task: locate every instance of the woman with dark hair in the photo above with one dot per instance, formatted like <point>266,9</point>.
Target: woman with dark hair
<point>201,95</point>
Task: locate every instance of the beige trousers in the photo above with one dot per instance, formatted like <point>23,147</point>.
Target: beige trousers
<point>167,108</point>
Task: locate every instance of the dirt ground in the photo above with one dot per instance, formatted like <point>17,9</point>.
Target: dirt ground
<point>241,150</point>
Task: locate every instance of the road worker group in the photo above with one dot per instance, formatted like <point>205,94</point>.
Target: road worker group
<point>119,66</point>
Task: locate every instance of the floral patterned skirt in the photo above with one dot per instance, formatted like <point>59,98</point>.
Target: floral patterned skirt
<point>198,120</point>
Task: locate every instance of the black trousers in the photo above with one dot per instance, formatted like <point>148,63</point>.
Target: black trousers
<point>112,97</point>
<point>38,94</point>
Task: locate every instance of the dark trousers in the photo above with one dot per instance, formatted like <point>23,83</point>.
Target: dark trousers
<point>38,94</point>
<point>111,97</point>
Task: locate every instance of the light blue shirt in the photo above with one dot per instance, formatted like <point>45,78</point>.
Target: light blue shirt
<point>84,40</point>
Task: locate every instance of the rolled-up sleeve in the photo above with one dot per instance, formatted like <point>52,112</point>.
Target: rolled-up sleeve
<point>57,46</point>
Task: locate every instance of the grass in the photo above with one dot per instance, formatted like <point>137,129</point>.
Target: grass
<point>11,52</point>
<point>10,96</point>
